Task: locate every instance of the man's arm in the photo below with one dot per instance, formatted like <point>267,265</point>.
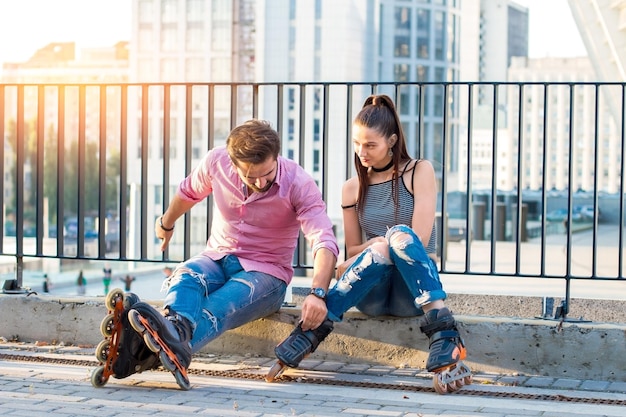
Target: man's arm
<point>176,208</point>
<point>314,309</point>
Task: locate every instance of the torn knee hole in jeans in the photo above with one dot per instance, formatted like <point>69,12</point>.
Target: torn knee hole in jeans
<point>400,240</point>
<point>177,277</point>
<point>352,275</point>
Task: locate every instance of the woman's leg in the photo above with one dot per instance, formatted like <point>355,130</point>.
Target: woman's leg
<point>371,270</point>
<point>422,278</point>
<point>416,267</point>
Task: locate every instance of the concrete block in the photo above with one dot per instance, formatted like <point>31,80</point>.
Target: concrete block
<point>503,345</point>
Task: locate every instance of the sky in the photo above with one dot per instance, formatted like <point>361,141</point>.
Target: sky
<point>27,25</point>
<point>552,31</point>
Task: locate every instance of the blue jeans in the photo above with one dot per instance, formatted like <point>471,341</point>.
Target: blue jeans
<point>380,286</point>
<point>216,296</point>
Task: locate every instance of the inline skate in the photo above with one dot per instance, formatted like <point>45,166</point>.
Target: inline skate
<point>447,351</point>
<point>298,345</point>
<point>122,352</point>
<point>168,336</point>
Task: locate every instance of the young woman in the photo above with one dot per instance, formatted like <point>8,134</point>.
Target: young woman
<point>388,218</point>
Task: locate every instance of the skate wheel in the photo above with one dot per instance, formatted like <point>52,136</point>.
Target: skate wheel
<point>182,382</point>
<point>113,297</point>
<point>98,379</point>
<point>102,350</point>
<point>133,318</point>
<point>438,384</point>
<point>151,343</point>
<point>107,326</point>
<point>453,386</point>
<point>468,380</point>
<point>275,371</point>
<point>166,362</point>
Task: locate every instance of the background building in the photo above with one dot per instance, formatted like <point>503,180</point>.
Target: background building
<point>289,41</point>
<point>575,119</point>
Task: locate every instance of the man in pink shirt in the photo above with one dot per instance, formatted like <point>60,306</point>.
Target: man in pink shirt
<point>262,201</point>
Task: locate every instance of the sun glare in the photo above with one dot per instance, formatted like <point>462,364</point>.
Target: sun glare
<point>29,25</point>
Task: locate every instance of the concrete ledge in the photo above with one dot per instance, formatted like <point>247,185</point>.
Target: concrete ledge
<point>495,344</point>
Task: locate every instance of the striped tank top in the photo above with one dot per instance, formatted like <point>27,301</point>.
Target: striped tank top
<point>378,212</point>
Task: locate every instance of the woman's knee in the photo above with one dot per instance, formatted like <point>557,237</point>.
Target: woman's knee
<point>380,251</point>
<point>405,244</point>
<point>400,236</point>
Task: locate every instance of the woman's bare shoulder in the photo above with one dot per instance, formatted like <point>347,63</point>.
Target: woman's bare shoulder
<point>349,193</point>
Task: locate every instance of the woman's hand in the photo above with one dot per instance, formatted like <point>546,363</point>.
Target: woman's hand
<point>342,267</point>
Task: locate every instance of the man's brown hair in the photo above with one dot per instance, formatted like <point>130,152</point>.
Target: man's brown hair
<point>253,142</point>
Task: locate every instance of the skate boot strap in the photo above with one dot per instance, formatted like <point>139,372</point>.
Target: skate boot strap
<point>309,335</point>
<point>445,334</point>
<point>444,322</point>
<point>324,329</point>
<point>174,317</point>
<point>437,325</point>
<point>182,325</point>
<point>315,335</point>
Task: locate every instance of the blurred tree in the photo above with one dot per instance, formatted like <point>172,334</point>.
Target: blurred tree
<point>70,174</point>
<point>30,162</point>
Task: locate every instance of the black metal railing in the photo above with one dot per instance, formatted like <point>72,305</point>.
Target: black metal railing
<point>530,173</point>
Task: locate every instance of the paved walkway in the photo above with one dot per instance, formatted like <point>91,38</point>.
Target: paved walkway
<point>31,388</point>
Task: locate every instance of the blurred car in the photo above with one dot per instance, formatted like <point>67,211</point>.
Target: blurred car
<point>70,230</point>
<point>556,215</point>
<point>560,215</point>
<point>587,212</point>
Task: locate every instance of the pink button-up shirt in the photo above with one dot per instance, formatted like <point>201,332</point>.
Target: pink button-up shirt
<point>260,229</point>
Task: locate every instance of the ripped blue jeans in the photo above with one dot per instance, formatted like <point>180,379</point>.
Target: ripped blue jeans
<point>398,286</point>
<point>216,296</point>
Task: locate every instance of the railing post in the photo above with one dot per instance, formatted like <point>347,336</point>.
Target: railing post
<point>14,286</point>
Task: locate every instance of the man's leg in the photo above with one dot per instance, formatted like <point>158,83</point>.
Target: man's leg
<point>245,296</point>
<point>168,333</point>
<point>215,296</point>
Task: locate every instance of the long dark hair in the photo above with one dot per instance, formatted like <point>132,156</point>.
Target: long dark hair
<point>379,113</point>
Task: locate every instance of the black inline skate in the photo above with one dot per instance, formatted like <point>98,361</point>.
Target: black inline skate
<point>122,352</point>
<point>447,351</point>
<point>298,345</point>
<point>168,336</point>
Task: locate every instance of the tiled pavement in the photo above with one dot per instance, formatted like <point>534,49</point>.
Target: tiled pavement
<point>318,388</point>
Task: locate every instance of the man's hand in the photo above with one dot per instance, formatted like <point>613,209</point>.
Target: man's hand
<point>314,312</point>
<point>164,235</point>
